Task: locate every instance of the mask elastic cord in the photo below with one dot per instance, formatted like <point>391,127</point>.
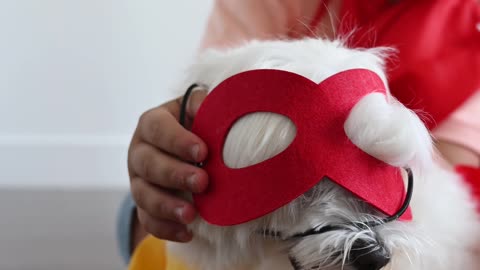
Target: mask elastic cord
<point>407,200</point>
<point>183,108</point>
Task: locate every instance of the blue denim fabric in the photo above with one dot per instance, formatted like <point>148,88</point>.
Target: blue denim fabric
<point>124,225</point>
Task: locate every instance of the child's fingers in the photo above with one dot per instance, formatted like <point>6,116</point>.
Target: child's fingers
<point>163,229</point>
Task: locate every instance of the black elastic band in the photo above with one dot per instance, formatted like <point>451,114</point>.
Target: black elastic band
<point>406,202</point>
<point>183,108</point>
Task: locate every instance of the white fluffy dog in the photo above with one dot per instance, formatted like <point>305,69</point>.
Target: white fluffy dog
<point>445,225</point>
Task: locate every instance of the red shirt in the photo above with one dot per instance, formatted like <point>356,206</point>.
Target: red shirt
<point>438,63</point>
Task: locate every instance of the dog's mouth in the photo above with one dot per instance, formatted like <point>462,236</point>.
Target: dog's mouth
<point>362,256</point>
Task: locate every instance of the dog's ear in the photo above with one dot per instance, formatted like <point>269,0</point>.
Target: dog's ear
<point>387,130</point>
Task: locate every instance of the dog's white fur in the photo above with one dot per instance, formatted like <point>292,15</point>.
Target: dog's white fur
<point>445,225</point>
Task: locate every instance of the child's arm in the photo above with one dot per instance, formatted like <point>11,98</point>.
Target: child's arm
<point>233,22</point>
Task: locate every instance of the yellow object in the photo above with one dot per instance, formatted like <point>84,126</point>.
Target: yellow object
<point>151,254</point>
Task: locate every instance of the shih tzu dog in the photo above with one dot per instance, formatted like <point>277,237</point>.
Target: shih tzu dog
<point>314,165</point>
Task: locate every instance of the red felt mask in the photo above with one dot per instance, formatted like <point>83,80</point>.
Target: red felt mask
<point>320,150</point>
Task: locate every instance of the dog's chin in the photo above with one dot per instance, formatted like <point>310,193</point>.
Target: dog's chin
<point>231,247</point>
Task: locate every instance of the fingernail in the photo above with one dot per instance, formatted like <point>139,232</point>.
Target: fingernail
<point>183,236</point>
<point>192,182</point>
<point>179,213</point>
<point>194,152</point>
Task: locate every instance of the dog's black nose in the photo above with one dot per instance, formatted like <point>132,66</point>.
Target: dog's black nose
<point>369,256</point>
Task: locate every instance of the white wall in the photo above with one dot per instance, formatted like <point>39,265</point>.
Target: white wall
<point>74,77</point>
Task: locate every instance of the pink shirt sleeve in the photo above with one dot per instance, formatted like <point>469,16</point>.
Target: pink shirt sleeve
<point>463,126</point>
<point>233,22</point>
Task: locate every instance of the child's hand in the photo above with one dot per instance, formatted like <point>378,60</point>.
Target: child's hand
<point>158,167</point>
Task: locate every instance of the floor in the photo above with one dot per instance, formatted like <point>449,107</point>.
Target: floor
<point>59,229</point>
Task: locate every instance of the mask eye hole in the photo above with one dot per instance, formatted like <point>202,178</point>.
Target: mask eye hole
<point>256,137</point>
